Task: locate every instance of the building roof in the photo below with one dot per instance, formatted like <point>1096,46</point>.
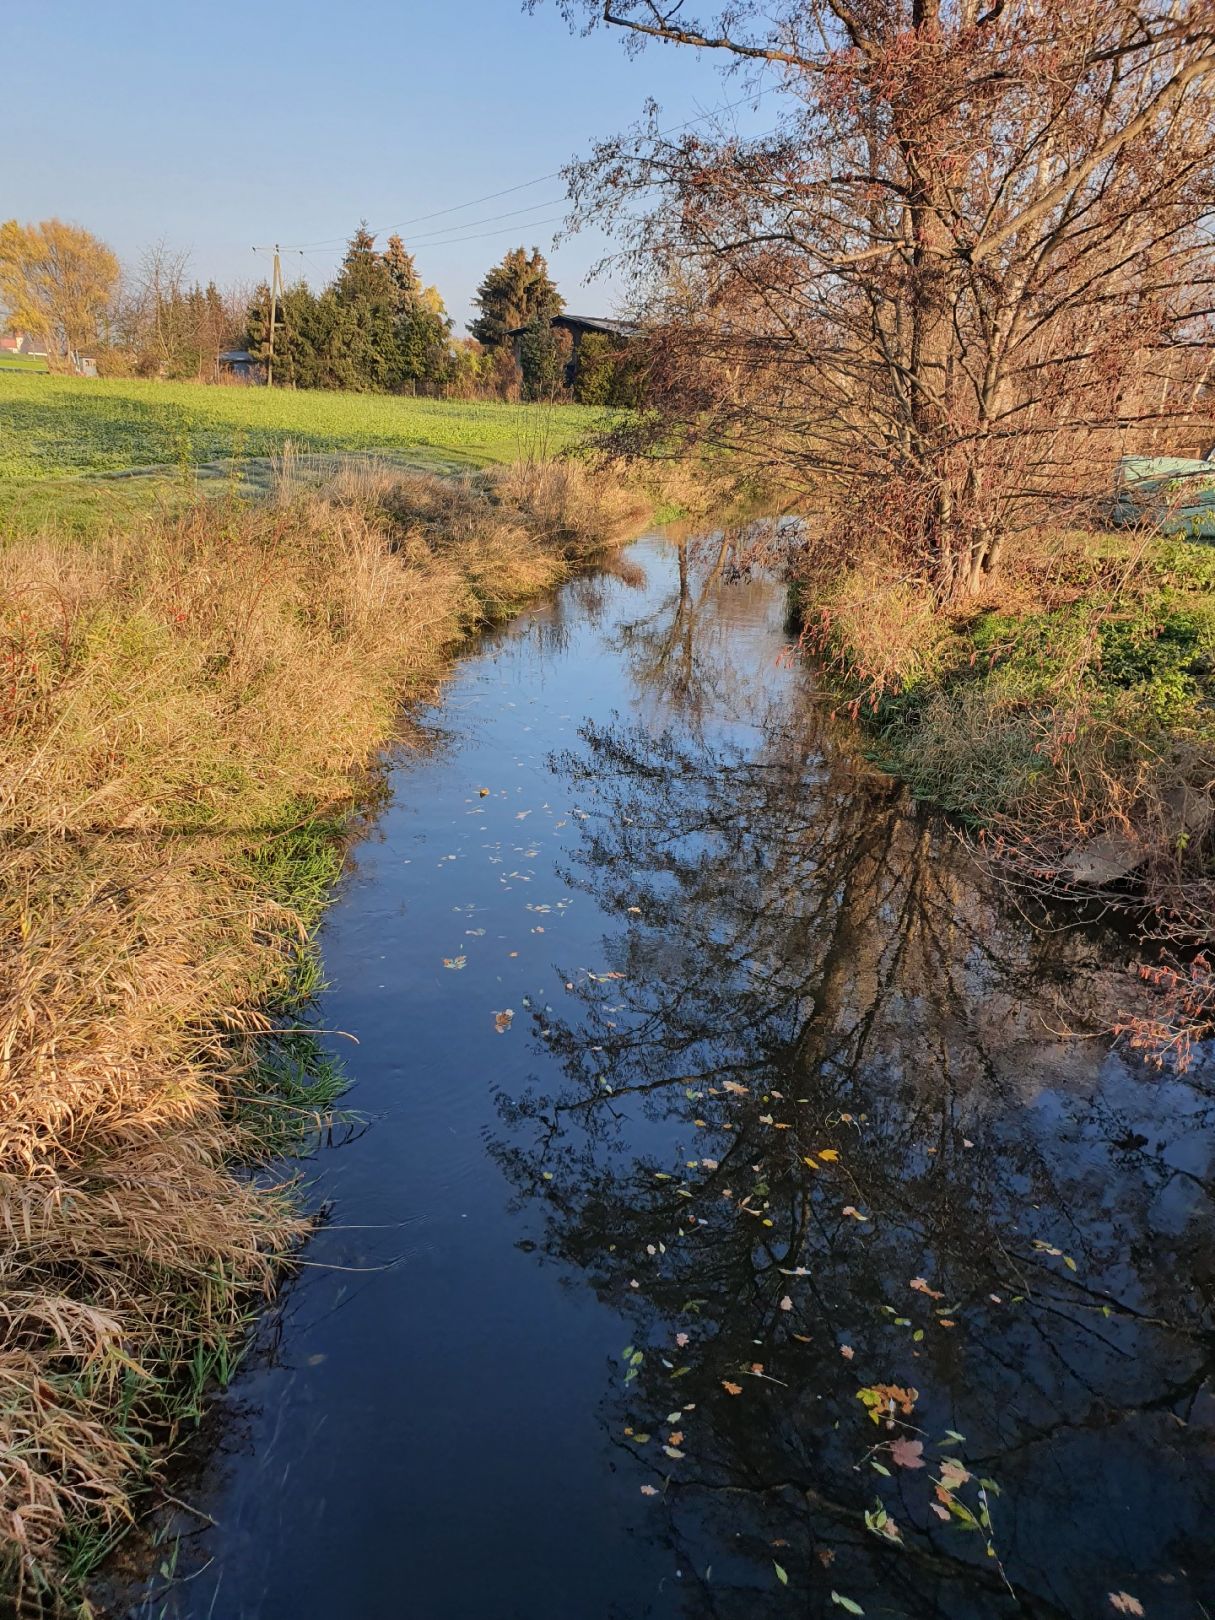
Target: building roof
<point>597,323</point>
<point>588,323</point>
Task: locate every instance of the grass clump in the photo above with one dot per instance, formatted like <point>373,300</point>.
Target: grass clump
<point>187,710</point>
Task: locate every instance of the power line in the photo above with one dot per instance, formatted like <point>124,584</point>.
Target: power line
<point>526,185</point>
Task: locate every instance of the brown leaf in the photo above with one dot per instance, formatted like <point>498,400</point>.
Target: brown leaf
<point>731,1389</point>
<point>952,1473</point>
<point>1125,1603</point>
<point>904,1399</point>
<point>847,1352</point>
<point>921,1287</point>
<point>502,1020</point>
<point>907,1453</point>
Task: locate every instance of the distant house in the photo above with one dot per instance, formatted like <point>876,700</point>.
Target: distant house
<point>21,343</point>
<point>578,326</point>
<point>241,366</point>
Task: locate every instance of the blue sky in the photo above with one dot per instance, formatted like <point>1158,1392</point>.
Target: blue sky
<point>231,124</point>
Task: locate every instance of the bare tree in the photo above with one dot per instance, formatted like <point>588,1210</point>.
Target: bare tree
<point>971,260</point>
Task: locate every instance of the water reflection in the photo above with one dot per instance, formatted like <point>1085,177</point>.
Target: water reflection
<point>829,1112</point>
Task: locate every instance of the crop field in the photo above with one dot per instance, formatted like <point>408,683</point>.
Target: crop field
<point>55,427</point>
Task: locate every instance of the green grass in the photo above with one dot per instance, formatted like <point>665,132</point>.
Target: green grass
<point>56,426</point>
<point>22,362</point>
<point>1112,673</point>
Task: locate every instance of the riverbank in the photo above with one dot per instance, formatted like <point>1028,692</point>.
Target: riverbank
<point>188,710</point>
<point>1069,713</point>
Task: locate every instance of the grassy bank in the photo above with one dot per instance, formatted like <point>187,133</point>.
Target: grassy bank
<point>1070,713</point>
<point>187,709</point>
<point>53,426</point>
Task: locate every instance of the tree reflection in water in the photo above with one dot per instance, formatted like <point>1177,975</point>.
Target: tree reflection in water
<point>806,964</point>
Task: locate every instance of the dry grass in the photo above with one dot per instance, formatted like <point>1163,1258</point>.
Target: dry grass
<point>174,703</point>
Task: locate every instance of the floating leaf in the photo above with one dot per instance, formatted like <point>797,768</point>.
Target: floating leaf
<point>1124,1603</point>
<point>786,1304</point>
<point>855,1213</point>
<point>828,1155</point>
<point>731,1389</point>
<point>846,1603</point>
<point>454,962</point>
<point>907,1453</point>
<point>784,1579</point>
<point>953,1474</point>
<point>649,1490</point>
<point>920,1285</point>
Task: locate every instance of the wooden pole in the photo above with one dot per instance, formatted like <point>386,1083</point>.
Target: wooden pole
<point>276,287</point>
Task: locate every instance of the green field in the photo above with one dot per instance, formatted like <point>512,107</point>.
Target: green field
<point>56,426</point>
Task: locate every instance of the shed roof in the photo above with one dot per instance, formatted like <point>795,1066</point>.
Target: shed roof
<point>587,323</point>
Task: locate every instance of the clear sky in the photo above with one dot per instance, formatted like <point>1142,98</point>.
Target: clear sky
<point>244,122</point>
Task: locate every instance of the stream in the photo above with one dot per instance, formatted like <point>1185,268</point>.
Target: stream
<point>747,1218</point>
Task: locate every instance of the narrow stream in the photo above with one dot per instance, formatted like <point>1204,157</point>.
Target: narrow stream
<point>718,1109</point>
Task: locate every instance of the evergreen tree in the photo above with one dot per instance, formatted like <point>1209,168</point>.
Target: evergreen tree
<point>512,293</point>
<point>365,277</point>
<point>543,355</point>
<point>402,274</point>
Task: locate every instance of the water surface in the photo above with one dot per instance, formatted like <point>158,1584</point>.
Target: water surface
<point>708,1086</point>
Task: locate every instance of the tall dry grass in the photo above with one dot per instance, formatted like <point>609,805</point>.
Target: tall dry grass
<point>173,701</point>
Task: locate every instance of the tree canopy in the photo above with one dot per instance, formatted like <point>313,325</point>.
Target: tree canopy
<point>965,267</point>
<point>59,283</point>
<point>512,294</point>
<point>375,328</point>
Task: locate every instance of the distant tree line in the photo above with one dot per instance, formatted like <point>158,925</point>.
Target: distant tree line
<point>374,328</point>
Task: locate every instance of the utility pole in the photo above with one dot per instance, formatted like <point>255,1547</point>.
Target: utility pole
<point>276,287</point>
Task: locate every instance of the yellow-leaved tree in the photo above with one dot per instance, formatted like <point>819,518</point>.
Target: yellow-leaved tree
<point>58,282</point>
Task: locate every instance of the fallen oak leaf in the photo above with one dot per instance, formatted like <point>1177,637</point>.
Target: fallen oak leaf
<point>731,1389</point>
